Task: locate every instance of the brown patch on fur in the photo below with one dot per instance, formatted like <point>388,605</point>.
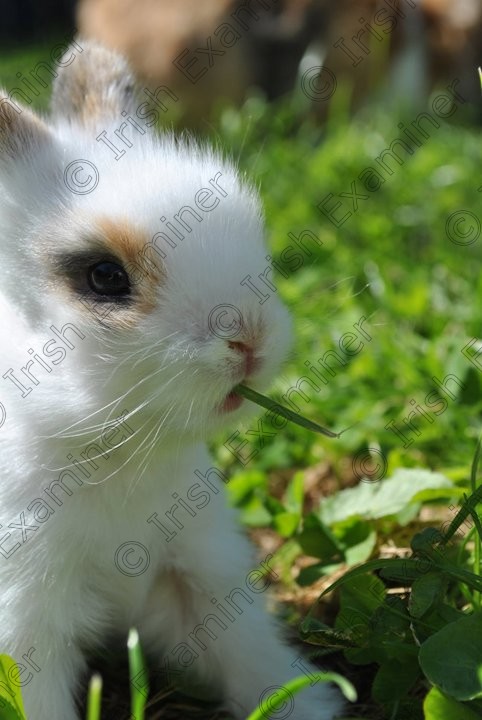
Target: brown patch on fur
<point>104,238</point>
<point>130,245</point>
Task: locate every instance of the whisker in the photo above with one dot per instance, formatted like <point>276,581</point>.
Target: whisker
<point>114,402</point>
<point>129,415</point>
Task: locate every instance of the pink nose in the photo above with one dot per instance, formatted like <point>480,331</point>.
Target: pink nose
<point>251,362</point>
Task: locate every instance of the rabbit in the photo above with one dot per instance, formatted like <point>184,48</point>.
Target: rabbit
<point>125,328</point>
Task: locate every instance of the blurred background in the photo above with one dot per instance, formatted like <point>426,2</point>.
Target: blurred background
<point>215,52</point>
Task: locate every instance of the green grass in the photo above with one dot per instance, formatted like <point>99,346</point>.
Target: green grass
<point>393,263</point>
<point>24,60</point>
<point>390,262</point>
<point>411,297</point>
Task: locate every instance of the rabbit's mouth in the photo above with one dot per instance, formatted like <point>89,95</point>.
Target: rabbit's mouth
<point>231,402</point>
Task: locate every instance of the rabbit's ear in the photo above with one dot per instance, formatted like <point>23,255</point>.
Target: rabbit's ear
<point>98,86</point>
<point>22,134</point>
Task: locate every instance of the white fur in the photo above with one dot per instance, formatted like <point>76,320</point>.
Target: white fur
<point>61,591</point>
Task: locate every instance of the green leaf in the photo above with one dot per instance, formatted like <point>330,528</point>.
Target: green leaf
<point>295,493</point>
<point>401,574</point>
<point>11,703</point>
<point>393,680</point>
<point>408,567</point>
<point>391,619</point>
<point>254,513</point>
<point>273,505</point>
<point>243,484</point>
<point>452,658</point>
<point>317,540</point>
<point>357,538</point>
<point>438,706</point>
<point>426,541</point>
<point>401,565</point>
<point>363,594</point>
<point>286,523</point>
<point>427,590</point>
<point>287,516</point>
<point>438,494</point>
<point>309,575</point>
<point>387,497</point>
<point>359,599</point>
<point>434,620</point>
<point>317,633</point>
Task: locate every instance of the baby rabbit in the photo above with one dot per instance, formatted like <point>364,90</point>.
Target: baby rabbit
<point>125,326</point>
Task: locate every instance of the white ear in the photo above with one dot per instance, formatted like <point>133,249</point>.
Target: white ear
<point>22,134</point>
<point>29,169</point>
<point>96,87</point>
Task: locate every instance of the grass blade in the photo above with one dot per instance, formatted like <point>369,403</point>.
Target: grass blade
<point>272,704</point>
<point>275,407</point>
<point>94,698</point>
<point>138,676</point>
<point>472,501</point>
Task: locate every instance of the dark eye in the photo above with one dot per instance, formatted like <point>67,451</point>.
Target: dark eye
<point>108,278</point>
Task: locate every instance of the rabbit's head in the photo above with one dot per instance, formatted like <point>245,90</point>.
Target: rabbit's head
<point>145,251</point>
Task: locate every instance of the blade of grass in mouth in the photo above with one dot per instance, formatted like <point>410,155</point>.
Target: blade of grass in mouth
<point>269,404</point>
